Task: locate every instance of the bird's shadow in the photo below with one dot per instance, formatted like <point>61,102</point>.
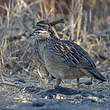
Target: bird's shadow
<point>69,91</point>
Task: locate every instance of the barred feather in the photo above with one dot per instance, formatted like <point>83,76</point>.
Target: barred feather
<point>69,53</point>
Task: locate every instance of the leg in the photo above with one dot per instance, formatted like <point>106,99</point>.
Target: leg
<point>43,82</point>
<point>58,81</point>
<point>89,82</point>
<point>78,84</point>
<point>38,70</point>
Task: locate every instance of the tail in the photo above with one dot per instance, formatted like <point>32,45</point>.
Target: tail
<point>97,74</point>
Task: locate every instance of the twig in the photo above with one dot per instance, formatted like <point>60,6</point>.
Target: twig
<point>10,85</point>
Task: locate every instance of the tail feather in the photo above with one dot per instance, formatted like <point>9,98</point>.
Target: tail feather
<point>97,74</point>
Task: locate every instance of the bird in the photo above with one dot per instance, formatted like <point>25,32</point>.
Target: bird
<point>63,59</point>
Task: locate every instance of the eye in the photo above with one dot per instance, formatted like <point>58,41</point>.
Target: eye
<point>38,32</point>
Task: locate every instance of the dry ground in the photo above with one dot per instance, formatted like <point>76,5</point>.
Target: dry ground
<point>20,84</point>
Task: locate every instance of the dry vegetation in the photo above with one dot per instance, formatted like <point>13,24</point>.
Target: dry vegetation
<point>85,22</point>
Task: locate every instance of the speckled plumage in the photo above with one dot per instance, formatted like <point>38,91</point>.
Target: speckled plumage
<point>63,59</point>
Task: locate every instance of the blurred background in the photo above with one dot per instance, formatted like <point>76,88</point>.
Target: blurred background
<point>86,22</point>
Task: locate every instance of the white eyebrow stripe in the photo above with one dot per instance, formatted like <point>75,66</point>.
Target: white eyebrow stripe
<point>42,31</point>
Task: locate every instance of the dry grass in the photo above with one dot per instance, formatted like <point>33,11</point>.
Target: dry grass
<point>17,56</point>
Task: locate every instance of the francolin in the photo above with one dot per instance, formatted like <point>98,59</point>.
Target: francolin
<point>63,59</point>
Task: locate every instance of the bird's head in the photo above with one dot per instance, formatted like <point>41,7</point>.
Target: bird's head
<point>42,31</point>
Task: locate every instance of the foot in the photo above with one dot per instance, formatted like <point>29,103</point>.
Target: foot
<point>58,81</point>
<point>78,84</point>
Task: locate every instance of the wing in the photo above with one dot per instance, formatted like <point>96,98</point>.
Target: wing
<point>82,54</point>
<point>72,54</point>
